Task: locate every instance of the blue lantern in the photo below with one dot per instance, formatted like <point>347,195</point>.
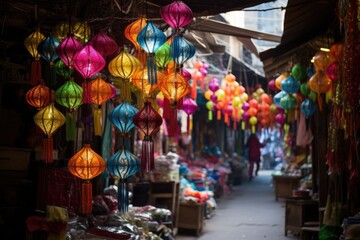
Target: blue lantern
<point>122,117</point>
<point>150,39</point>
<point>288,101</point>
<point>308,107</point>
<point>290,85</point>
<point>123,164</point>
<point>47,49</point>
<point>278,97</point>
<point>181,49</point>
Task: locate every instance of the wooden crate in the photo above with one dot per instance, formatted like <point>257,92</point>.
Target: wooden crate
<point>191,216</point>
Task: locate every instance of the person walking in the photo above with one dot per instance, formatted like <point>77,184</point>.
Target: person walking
<point>253,144</point>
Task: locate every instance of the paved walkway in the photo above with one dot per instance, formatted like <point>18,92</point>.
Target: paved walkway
<point>250,213</point>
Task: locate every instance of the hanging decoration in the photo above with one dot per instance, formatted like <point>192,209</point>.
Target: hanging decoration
<point>67,50</point>
<point>148,121</point>
<point>86,164</point>
<point>38,96</point>
<point>47,50</point>
<point>150,39</point>
<point>124,66</point>
<point>141,81</point>
<point>189,106</point>
<point>163,57</point>
<point>100,92</point>
<point>177,14</point>
<point>31,43</point>
<point>104,44</point>
<point>49,119</point>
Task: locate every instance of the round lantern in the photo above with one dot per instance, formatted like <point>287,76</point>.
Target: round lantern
<point>174,87</point>
<point>162,56</point>
<point>140,80</point>
<point>38,96</point>
<point>253,121</point>
<point>181,50</point>
<point>150,39</point>
<point>279,79</point>
<point>308,107</point>
<point>177,14</point>
<point>298,72</point>
<point>123,164</point>
<point>278,97</point>
<point>62,69</point>
<point>133,29</point>
<point>86,164</point>
<point>88,61</point>
<point>321,60</point>
<point>189,106</point>
<point>148,121</point>
<point>320,82</point>
<point>122,117</point>
<point>67,50</point>
<point>47,49</point>
<point>100,92</point>
<point>288,102</point>
<point>104,44</point>
<point>49,119</point>
<point>230,78</point>
<point>290,85</point>
<point>210,106</point>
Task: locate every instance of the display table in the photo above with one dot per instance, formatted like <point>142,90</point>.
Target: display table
<point>284,185</point>
<point>299,211</point>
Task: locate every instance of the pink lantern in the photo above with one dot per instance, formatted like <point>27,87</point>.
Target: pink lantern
<point>214,84</point>
<point>67,50</point>
<point>185,74</point>
<point>189,106</point>
<point>272,85</point>
<point>280,119</point>
<point>177,14</point>
<point>104,44</point>
<point>88,61</point>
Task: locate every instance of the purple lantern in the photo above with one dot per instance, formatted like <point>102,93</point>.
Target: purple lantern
<point>189,106</point>
<point>88,61</point>
<point>177,14</point>
<point>245,106</point>
<point>67,50</point>
<point>214,84</point>
<point>104,44</point>
<point>186,74</point>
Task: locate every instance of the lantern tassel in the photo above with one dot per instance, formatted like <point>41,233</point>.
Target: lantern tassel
<point>86,197</point>
<point>70,126</point>
<point>125,91</point>
<point>97,121</point>
<point>147,154</point>
<point>188,124</point>
<point>210,115</point>
<point>193,93</point>
<point>86,98</point>
<point>218,115</point>
<point>242,125</point>
<point>48,150</point>
<point>151,65</point>
<point>253,129</point>
<point>36,75</point>
<point>320,102</point>
<point>123,195</point>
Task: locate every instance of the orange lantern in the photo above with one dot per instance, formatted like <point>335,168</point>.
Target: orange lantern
<point>279,80</point>
<point>132,30</point>
<point>140,80</point>
<point>38,96</point>
<point>320,82</point>
<point>100,92</point>
<point>49,119</point>
<point>230,78</point>
<point>86,164</point>
<point>321,60</point>
<point>174,87</point>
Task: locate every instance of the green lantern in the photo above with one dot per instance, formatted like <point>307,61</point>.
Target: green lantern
<point>162,56</point>
<point>62,70</point>
<point>69,95</point>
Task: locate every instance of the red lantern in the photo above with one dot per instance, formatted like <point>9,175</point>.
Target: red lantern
<point>148,121</point>
<point>86,164</point>
<point>104,44</point>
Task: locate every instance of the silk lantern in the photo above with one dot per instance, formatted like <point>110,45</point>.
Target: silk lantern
<point>49,119</point>
<point>290,85</point>
<point>100,92</point>
<point>308,107</point>
<point>141,81</point>
<point>174,87</point>
<point>86,164</point>
<point>123,164</point>
<point>150,39</point>
<point>298,72</point>
<point>189,106</point>
<point>38,96</point>
<point>31,43</point>
<point>177,14</point>
<point>62,70</point>
<point>47,50</point>
<point>210,106</point>
<point>124,66</point>
<point>278,97</point>
<point>320,82</point>
<point>181,50</point>
<point>148,121</point>
<point>253,121</point>
<point>163,57</point>
<point>122,117</point>
<point>104,44</point>
<point>67,50</point>
<point>132,31</point>
<point>288,102</point>
<point>69,95</point>
<point>88,62</point>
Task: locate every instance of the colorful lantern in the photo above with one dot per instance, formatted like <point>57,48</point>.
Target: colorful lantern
<point>150,39</point>
<point>174,87</point>
<point>177,14</point>
<point>123,164</point>
<point>62,69</point>
<point>181,50</point>
<point>104,44</point>
<point>298,72</point>
<point>79,30</point>
<point>86,164</point>
<point>162,56</point>
<point>100,92</point>
<point>38,96</point>
<point>210,106</point>
<point>67,50</point>
<point>189,106</point>
<point>288,102</point>
<point>141,81</point>
<point>290,85</point>
<point>320,82</point>
<point>88,61</point>
<point>308,107</point>
<point>31,43</point>
<point>69,95</point>
<point>49,119</point>
<point>124,66</point>
<point>278,97</point>
<point>132,31</point>
<point>47,49</point>
<point>148,121</point>
<point>253,121</point>
<point>122,117</point>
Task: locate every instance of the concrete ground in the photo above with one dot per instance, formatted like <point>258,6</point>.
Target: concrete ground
<point>249,212</point>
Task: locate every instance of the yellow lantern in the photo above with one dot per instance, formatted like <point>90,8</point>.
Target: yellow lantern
<point>49,119</point>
